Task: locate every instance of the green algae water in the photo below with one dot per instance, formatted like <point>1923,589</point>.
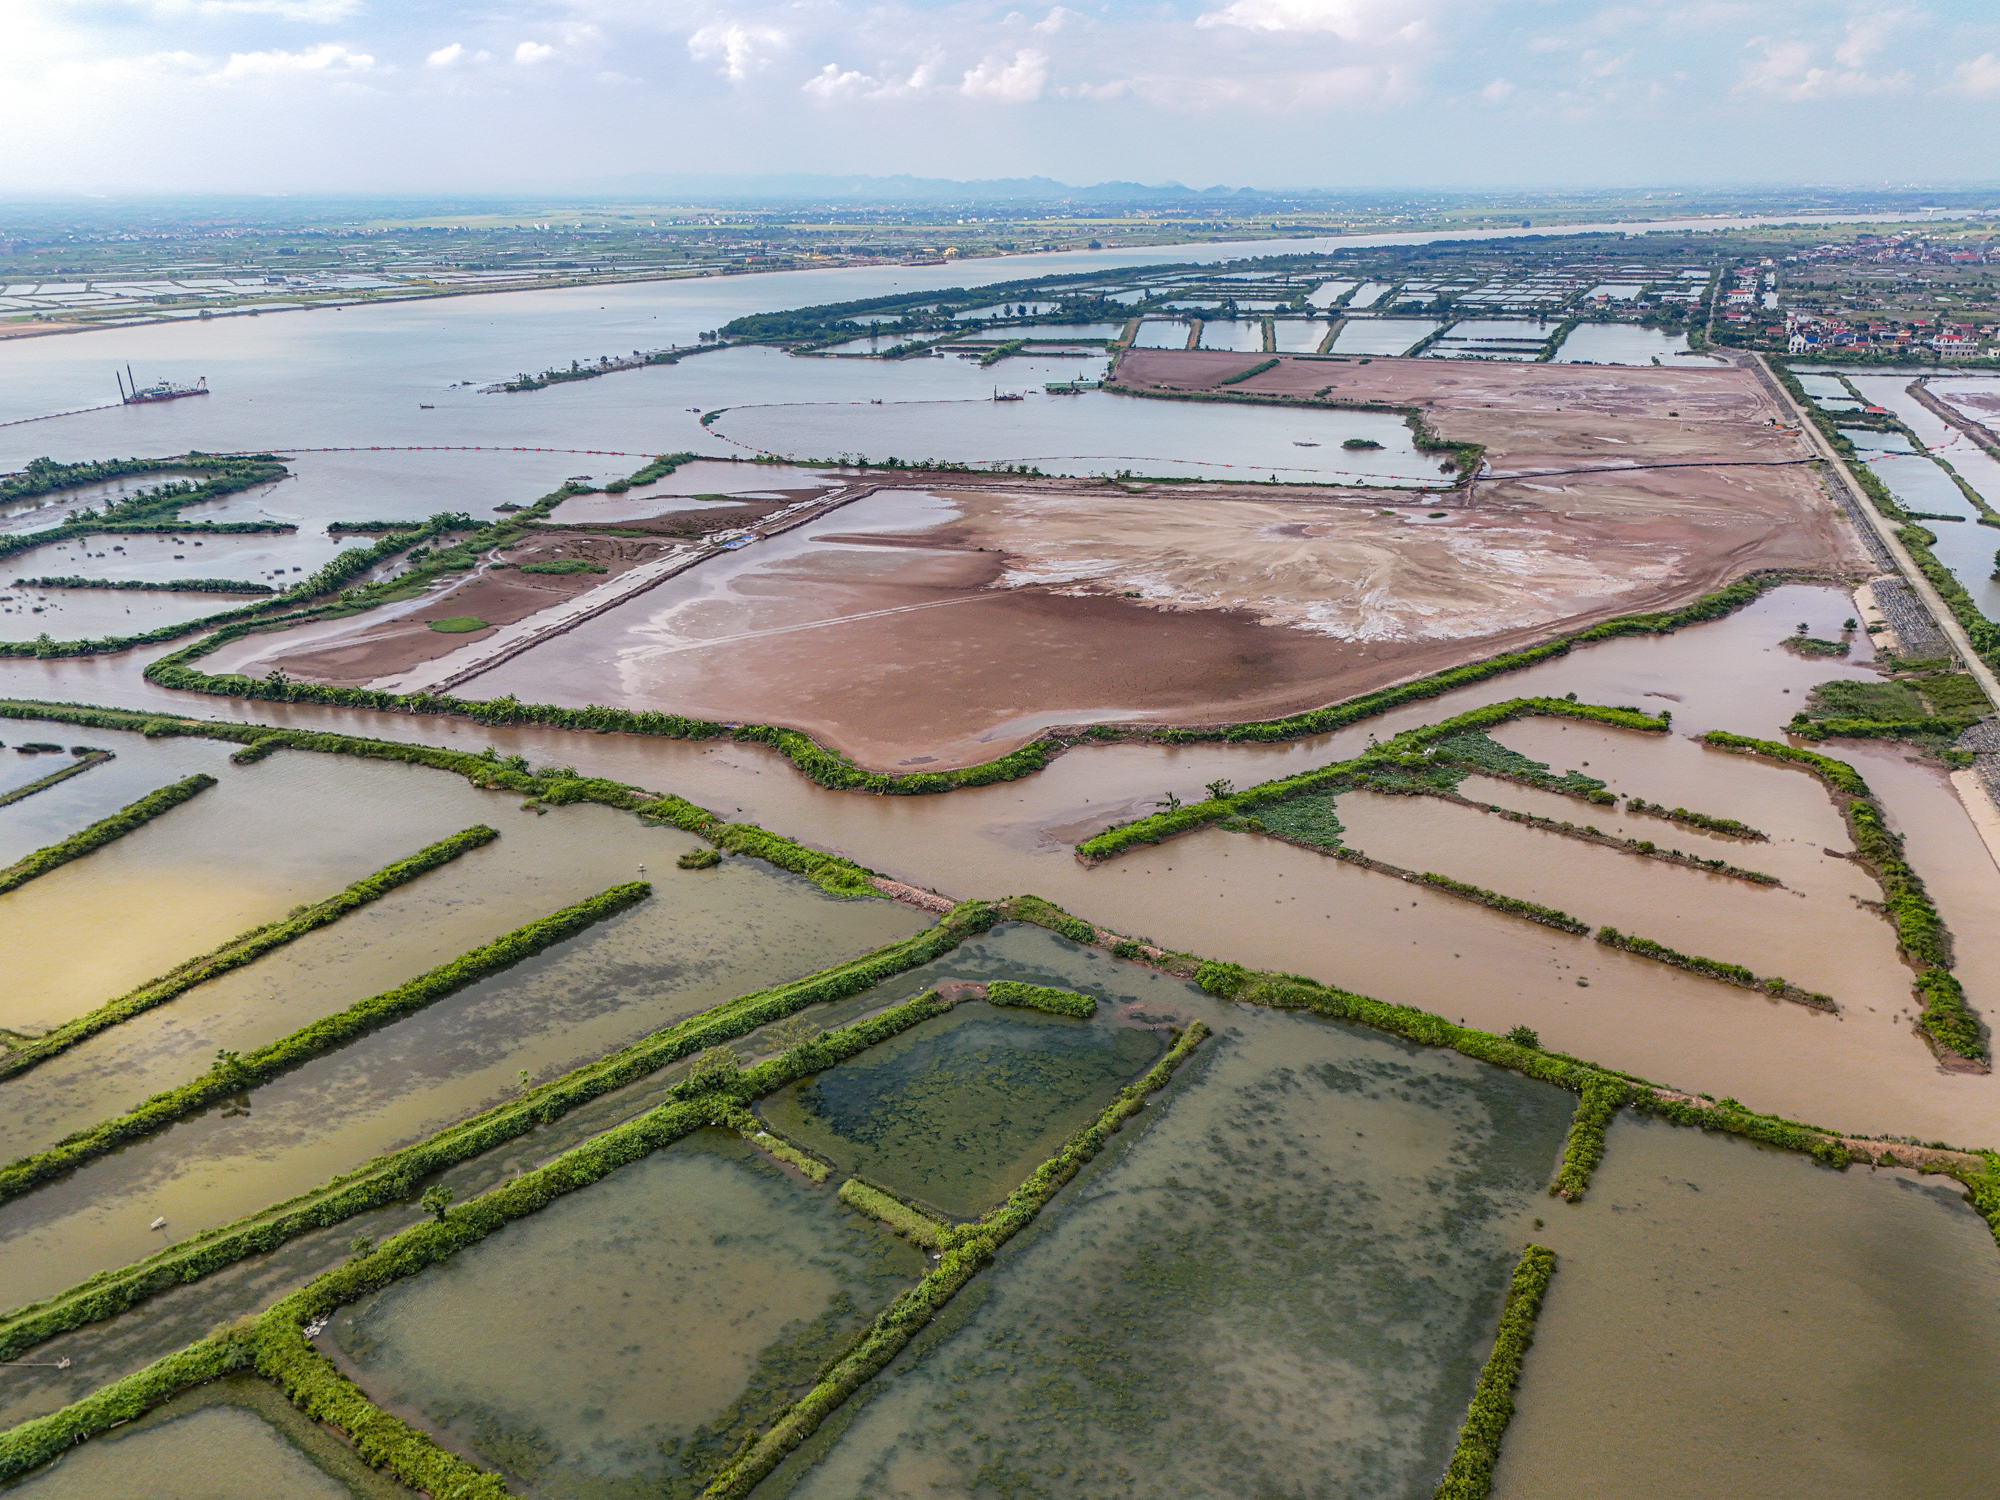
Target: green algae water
<point>702,938</point>
<point>958,1111</point>
<point>1727,1321</point>
<point>233,1439</point>
<point>1285,1283</point>
<point>617,1343</point>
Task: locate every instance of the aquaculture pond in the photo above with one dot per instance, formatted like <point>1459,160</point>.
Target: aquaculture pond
<point>623,1340</point>
<point>1381,335</point>
<point>234,1439</point>
<point>1624,344</point>
<point>958,1111</point>
<point>1751,1324</point>
<point>1285,1283</point>
<point>702,938</point>
<point>289,830</point>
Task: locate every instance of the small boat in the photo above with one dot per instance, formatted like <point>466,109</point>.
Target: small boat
<point>159,1223</point>
<point>425,406</point>
<point>1297,444</point>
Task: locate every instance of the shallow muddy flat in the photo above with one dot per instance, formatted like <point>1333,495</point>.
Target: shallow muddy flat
<point>1780,1312</point>
<point>620,1336</point>
<point>1285,1283</point>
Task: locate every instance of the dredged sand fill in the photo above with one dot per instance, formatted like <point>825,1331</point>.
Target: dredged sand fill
<point>942,627</point>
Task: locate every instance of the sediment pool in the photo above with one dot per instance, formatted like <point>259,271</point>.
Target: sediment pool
<point>1727,1320</point>
<point>1284,1283</point>
<point>234,1439</point>
<point>599,1346</point>
<point>627,976</point>
<point>289,830</point>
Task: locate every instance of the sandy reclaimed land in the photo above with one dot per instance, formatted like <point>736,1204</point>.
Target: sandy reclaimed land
<point>353,653</point>
<point>942,627</point>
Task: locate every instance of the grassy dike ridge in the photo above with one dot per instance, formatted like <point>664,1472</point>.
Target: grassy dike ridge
<point>1470,1476</point>
<point>965,1250</point>
<point>242,949</point>
<point>233,1074</point>
<point>1947,1021</point>
<point>132,816</point>
<point>1041,997</point>
<point>1412,750</point>
<point>54,778</point>
<point>399,1175</point>
<point>830,769</point>
<point>1712,968</point>
<point>277,1341</point>
<point>556,785</point>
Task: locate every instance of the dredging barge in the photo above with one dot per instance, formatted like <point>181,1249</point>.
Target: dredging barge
<point>131,394</point>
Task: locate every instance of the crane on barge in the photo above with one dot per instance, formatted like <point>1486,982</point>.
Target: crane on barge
<point>131,394</point>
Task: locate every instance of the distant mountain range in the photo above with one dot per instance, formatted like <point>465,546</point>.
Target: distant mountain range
<point>716,187</point>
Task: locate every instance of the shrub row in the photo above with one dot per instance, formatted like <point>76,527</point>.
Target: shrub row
<point>1950,726</point>
<point>395,1177</point>
<point>170,586</point>
<point>106,830</point>
<point>912,1224</point>
<point>1921,934</point>
<point>43,783</point>
<point>1583,1149</point>
<point>1727,826</point>
<point>1470,1476</point>
<point>233,1074</point>
<point>784,1151</point>
<point>1243,375</point>
<point>40,1440</point>
<point>1644,848</point>
<point>1712,968</point>
<point>244,948</point>
<point>1548,916</point>
<point>964,1251</point>
<point>1041,997</point>
<point>1408,750</point>
<point>1732,1119</point>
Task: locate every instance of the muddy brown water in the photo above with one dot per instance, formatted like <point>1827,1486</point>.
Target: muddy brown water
<point>580,1349</point>
<point>236,1438</point>
<point>1281,1279</point>
<point>1727,1320</point>
<point>701,939</point>
<point>1232,898</point>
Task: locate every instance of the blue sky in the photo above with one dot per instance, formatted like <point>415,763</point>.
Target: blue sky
<point>413,95</point>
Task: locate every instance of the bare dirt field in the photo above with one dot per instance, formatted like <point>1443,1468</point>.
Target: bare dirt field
<point>942,626</point>
<point>371,645</point>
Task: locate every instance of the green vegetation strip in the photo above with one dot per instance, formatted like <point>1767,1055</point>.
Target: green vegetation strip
<point>1255,370</point>
<point>830,769</point>
<point>965,1249</point>
<point>277,1343</point>
<point>242,949</point>
<point>233,1074</point>
<point>84,763</point>
<point>1413,752</point>
<point>555,785</point>
<point>395,1177</point>
<point>913,1224</point>
<point>1041,997</point>
<point>1470,1476</point>
<point>1548,916</point>
<point>170,586</point>
<point>1712,968</point>
<point>1583,1149</point>
<point>1921,935</point>
<point>1728,827</point>
<point>134,816</point>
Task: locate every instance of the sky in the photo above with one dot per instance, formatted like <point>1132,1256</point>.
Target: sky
<point>357,96</point>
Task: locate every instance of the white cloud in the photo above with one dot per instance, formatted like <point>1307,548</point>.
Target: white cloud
<point>1054,21</point>
<point>1498,91</point>
<point>1791,69</point>
<point>1017,82</point>
<point>832,83</point>
<point>444,57</point>
<point>1351,20</point>
<point>1979,77</point>
<point>329,58</point>
<point>741,49</point>
<point>530,53</point>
